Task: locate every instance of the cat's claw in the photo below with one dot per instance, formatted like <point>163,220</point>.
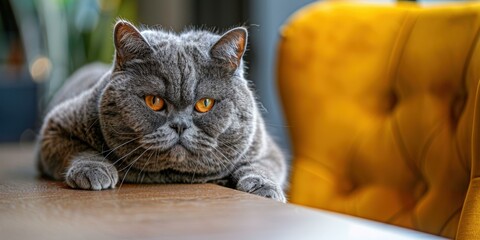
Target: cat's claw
<point>261,186</point>
<point>92,175</point>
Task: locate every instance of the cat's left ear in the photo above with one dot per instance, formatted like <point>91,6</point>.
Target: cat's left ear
<point>231,46</point>
<point>129,43</point>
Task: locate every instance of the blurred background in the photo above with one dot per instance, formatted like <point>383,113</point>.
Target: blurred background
<point>43,41</point>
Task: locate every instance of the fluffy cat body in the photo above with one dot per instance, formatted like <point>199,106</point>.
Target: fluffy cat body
<point>99,131</point>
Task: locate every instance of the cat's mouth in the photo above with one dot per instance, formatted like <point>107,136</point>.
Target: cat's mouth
<point>179,152</point>
<point>179,147</point>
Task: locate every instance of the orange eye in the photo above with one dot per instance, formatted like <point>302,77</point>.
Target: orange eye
<point>204,105</point>
<point>155,103</point>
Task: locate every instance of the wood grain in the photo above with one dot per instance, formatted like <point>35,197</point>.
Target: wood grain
<point>34,208</point>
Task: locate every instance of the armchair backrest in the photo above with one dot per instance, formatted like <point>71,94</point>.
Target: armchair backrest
<point>383,111</point>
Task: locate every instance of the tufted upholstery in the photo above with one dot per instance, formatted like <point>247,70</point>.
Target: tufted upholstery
<point>380,103</point>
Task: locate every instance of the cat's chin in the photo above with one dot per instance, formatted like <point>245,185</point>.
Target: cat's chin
<point>178,153</point>
<point>178,148</point>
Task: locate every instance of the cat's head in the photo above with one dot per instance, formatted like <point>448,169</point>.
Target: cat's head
<point>178,101</point>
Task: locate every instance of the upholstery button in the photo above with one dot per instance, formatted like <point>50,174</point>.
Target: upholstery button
<point>419,190</point>
<point>391,101</point>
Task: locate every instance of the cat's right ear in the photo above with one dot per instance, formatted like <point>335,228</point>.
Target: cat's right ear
<point>129,44</point>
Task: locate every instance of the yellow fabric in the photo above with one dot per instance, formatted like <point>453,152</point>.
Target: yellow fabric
<point>380,102</point>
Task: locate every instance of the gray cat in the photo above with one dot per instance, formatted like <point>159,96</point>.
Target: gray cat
<point>171,109</point>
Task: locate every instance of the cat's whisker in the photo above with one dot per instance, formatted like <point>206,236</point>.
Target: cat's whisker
<point>114,129</point>
<point>126,155</point>
<point>277,125</point>
<point>121,145</point>
<point>109,151</point>
<point>236,151</point>
<point>229,171</point>
<point>145,164</point>
<point>217,159</point>
<point>88,129</point>
<point>134,161</point>
<point>129,166</point>
<point>218,133</point>
<point>194,172</point>
<point>96,119</point>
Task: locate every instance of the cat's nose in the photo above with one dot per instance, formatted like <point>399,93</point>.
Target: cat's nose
<point>179,127</point>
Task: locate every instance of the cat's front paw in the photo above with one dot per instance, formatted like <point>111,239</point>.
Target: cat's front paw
<point>261,186</point>
<point>93,175</point>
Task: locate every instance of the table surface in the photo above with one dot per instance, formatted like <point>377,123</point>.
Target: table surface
<point>34,208</point>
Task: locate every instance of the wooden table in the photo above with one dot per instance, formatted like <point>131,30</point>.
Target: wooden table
<point>34,208</point>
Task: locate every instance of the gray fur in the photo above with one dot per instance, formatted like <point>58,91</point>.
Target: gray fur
<point>102,133</point>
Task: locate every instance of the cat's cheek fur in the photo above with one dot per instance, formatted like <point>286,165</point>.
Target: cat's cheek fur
<point>217,121</point>
<point>131,110</point>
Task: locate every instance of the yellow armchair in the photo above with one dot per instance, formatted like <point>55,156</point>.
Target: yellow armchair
<point>383,111</point>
